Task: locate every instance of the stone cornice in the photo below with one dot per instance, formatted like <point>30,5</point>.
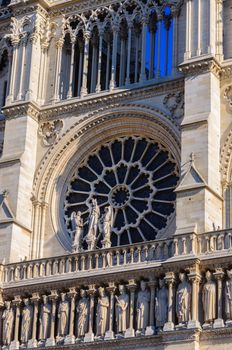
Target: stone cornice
<point>201,65</point>
<point>80,106</point>
<point>21,109</point>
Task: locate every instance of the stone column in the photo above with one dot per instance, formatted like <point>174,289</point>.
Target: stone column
<point>98,87</point>
<point>70,338</point>
<point>90,335</point>
<point>212,26</point>
<point>111,289</point>
<point>16,302</point>
<point>94,64</point>
<point>219,37</point>
<point>108,40</point>
<point>167,23</point>
<point>199,29</point>
<point>114,58</point>
<point>11,96</point>
<point>151,328</point>
<point>59,47</point>
<point>175,14</point>
<point>130,26</point>
<point>31,92</point>
<point>43,70</point>
<point>33,341</point>
<point>84,90</point>
<point>1,312</point>
<point>70,89</point>
<point>20,95</point>
<point>195,278</point>
<point>157,75</point>
<point>188,29</point>
<point>130,332</point>
<point>219,274</point>
<point>143,53</point>
<point>152,49</point>
<point>123,38</point>
<point>170,280</point>
<point>51,340</point>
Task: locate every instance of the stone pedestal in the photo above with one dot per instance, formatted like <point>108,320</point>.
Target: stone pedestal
<point>150,330</point>
<point>169,326</point>
<point>219,323</point>
<point>50,342</point>
<point>69,339</point>
<point>130,332</point>
<point>32,343</point>
<point>89,337</point>
<point>194,324</point>
<point>109,335</point>
<point>14,345</point>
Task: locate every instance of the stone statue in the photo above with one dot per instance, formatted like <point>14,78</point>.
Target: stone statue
<point>44,319</point>
<point>8,322</point>
<point>27,314</point>
<point>102,312</point>
<point>83,314</point>
<point>122,302</point>
<point>77,229</point>
<point>209,299</point>
<point>107,223</point>
<point>183,300</point>
<point>142,306</point>
<point>93,224</point>
<point>63,316</point>
<point>228,296</point>
<point>161,304</point>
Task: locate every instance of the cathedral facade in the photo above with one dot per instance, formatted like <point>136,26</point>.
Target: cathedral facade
<point>115,174</point>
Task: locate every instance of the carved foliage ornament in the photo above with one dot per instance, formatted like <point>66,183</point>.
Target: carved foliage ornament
<point>228,95</point>
<point>174,102</point>
<point>49,131</point>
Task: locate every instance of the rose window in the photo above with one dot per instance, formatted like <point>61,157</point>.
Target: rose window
<point>136,176</point>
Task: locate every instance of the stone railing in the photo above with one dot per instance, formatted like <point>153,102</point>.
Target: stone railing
<point>88,261</point>
<point>115,258</point>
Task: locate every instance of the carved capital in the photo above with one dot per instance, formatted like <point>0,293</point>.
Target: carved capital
<point>169,278</point>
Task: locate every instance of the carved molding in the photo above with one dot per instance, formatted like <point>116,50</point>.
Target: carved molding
<point>228,95</point>
<point>97,102</point>
<point>49,131</point>
<point>204,65</point>
<point>21,110</point>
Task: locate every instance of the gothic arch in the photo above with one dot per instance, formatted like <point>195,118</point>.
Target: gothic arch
<point>78,141</point>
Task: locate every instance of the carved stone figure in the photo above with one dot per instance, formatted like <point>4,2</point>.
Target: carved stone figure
<point>107,222</point>
<point>102,312</point>
<point>77,228</point>
<point>142,307</point>
<point>83,314</point>
<point>161,304</point>
<point>228,296</point>
<point>122,302</point>
<point>183,300</point>
<point>45,316</point>
<point>27,314</point>
<point>93,224</point>
<point>8,321</point>
<point>209,298</point>
<point>63,316</point>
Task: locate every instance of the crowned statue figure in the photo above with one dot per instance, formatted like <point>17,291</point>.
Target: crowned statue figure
<point>91,236</point>
<point>8,322</point>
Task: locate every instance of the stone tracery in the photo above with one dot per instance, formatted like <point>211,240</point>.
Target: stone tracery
<point>134,176</point>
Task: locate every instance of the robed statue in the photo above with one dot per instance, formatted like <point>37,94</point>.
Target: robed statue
<point>77,229</point>
<point>183,300</point>
<point>161,304</point>
<point>122,302</point>
<point>83,314</point>
<point>106,226</point>
<point>102,312</point>
<point>44,319</point>
<point>91,236</point>
<point>27,314</point>
<point>142,306</point>
<point>228,296</point>
<point>8,322</point>
<point>63,316</point>
<point>209,299</point>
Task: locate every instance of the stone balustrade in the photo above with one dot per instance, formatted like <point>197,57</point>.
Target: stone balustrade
<point>115,258</point>
<point>88,261</point>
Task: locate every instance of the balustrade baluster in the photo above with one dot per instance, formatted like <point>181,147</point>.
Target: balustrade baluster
<point>97,261</point>
<point>82,263</point>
